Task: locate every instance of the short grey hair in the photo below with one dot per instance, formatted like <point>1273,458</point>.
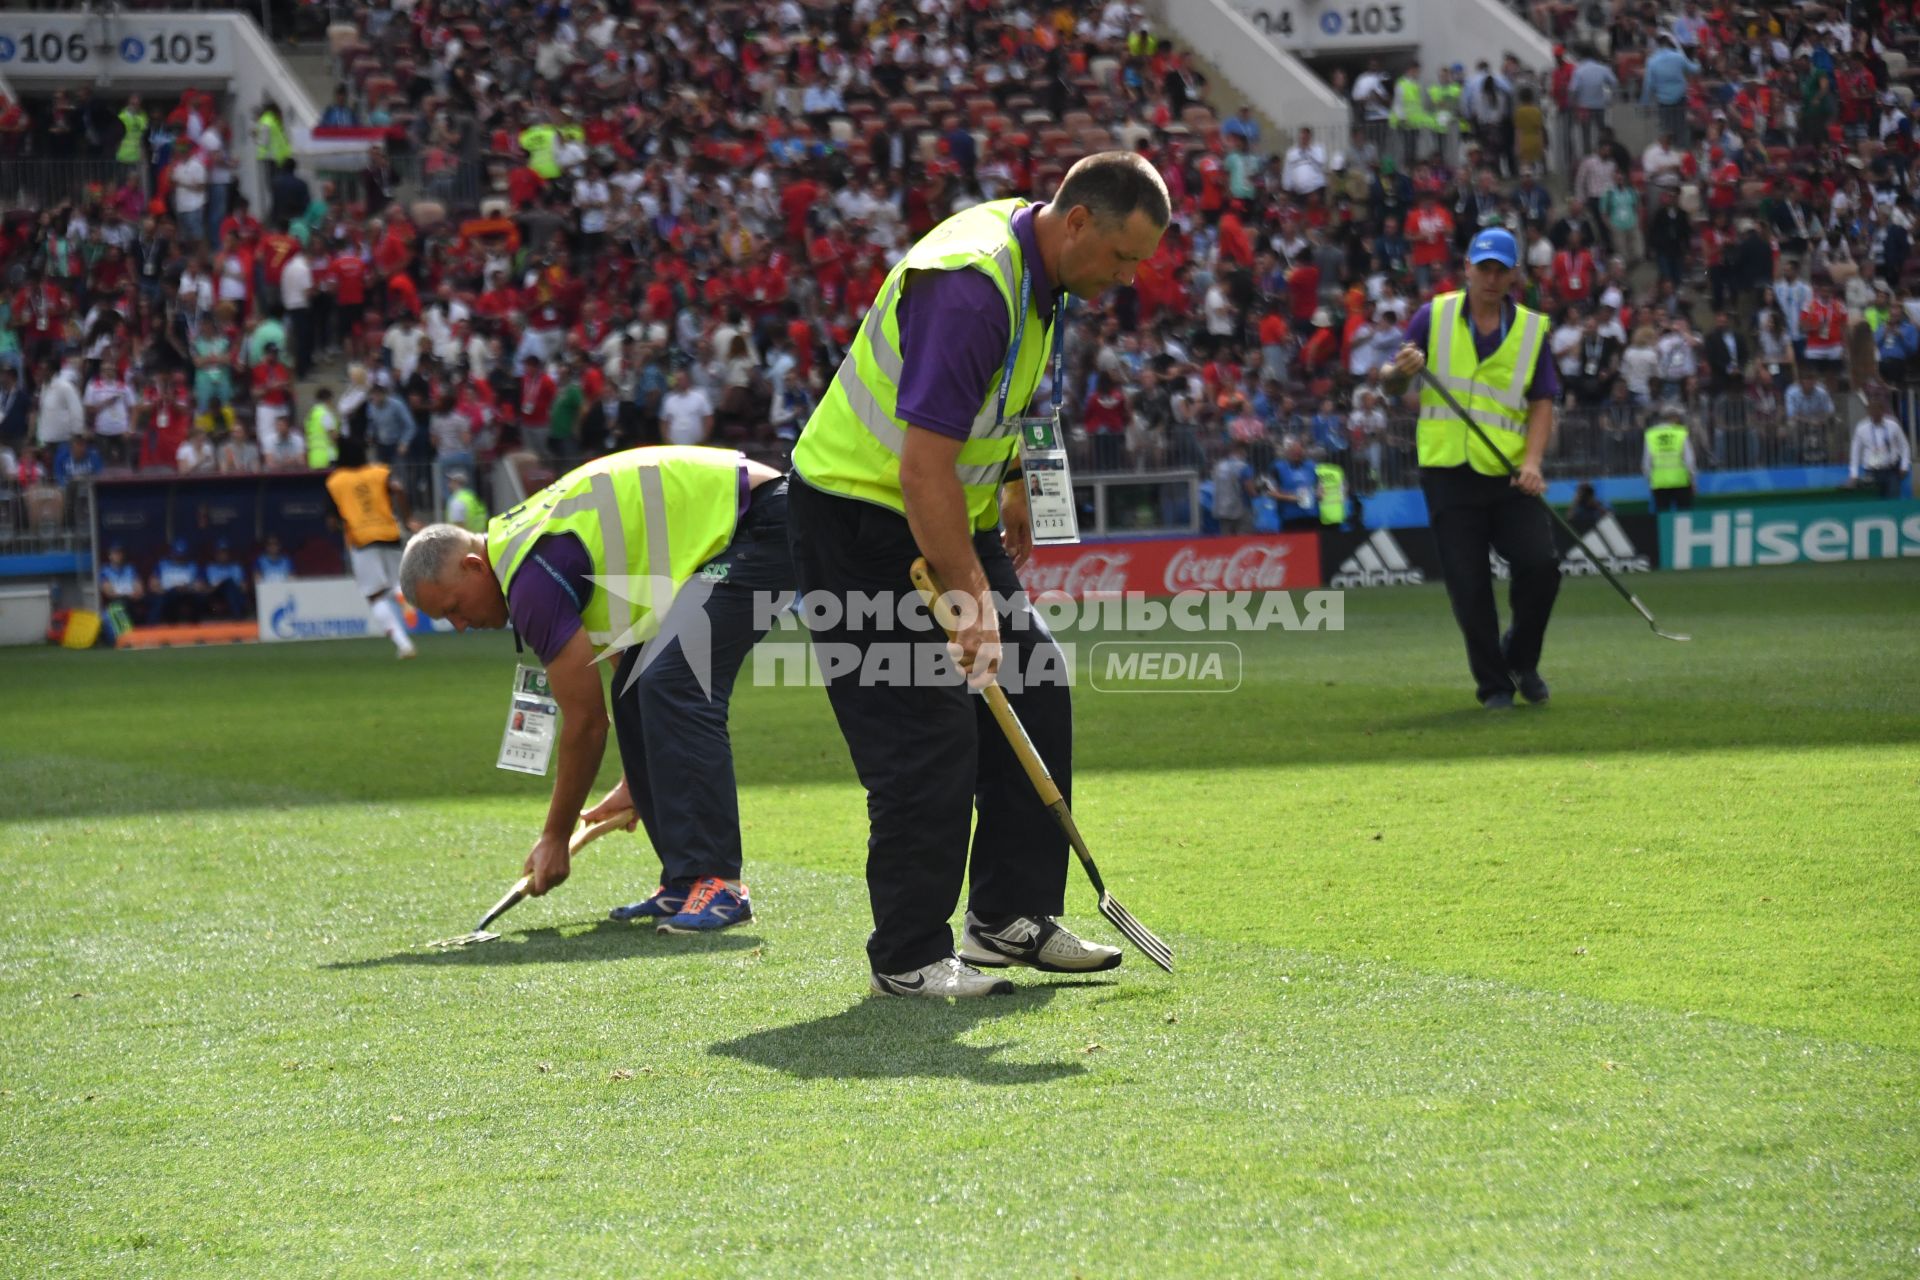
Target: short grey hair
<point>1114,185</point>
<point>430,554</point>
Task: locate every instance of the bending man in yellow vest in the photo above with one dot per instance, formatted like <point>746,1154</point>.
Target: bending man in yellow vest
<point>1492,355</point>
<point>914,451</point>
<point>673,560</point>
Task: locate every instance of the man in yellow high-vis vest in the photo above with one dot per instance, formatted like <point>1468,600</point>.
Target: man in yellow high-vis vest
<point>914,451</point>
<point>1492,355</point>
<point>1667,462</point>
<point>674,561</point>
<point>133,133</point>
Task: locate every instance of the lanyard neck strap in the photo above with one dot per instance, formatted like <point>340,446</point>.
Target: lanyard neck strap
<point>1019,334</point>
<point>1466,314</point>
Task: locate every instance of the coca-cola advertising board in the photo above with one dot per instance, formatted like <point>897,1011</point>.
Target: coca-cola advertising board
<point>1168,566</point>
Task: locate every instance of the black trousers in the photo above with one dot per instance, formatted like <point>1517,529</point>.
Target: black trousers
<point>929,752</point>
<point>674,745</point>
<point>1473,515</point>
<point>1671,499</point>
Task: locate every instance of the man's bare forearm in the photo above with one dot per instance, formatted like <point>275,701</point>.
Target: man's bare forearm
<point>583,742</point>
<point>937,513</point>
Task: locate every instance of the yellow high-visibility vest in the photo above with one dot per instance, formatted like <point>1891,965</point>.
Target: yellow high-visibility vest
<point>853,442</point>
<point>1494,391</point>
<point>648,518</point>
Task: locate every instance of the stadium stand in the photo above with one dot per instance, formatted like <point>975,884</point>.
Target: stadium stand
<point>632,192</point>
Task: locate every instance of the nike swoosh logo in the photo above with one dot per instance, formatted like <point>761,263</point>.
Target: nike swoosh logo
<point>904,985</point>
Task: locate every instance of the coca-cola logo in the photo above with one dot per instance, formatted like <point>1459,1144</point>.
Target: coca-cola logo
<point>1095,572</point>
<point>1256,566</point>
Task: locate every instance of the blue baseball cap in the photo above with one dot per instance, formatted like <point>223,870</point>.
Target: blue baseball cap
<point>1493,245</point>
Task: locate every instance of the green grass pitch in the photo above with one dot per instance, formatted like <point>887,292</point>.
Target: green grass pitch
<point>1625,986</point>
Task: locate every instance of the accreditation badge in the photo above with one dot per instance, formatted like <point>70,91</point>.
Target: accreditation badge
<point>1043,461</point>
<point>527,744</point>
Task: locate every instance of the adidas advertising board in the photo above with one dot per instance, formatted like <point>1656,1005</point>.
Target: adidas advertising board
<point>1380,558</point>
<point>1810,533</point>
<point>1624,544</point>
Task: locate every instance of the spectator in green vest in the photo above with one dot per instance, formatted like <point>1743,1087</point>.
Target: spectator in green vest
<point>1667,461</point>
<point>1410,115</point>
<point>464,507</point>
<point>133,133</point>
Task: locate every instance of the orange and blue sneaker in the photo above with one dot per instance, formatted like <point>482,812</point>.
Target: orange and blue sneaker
<point>711,904</point>
<point>664,902</point>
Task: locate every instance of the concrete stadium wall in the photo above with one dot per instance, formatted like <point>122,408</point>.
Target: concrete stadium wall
<point>157,52</point>
<point>1476,29</point>
<point>1279,85</point>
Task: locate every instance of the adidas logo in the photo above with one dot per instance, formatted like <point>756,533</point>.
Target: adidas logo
<point>1606,543</point>
<point>1377,562</point>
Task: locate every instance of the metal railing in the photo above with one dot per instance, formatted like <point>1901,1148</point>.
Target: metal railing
<point>46,182</point>
<point>1728,433</point>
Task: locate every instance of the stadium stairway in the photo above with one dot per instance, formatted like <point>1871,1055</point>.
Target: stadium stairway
<point>312,65</point>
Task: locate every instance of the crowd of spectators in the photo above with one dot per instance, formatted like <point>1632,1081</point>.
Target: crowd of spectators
<point>596,225</point>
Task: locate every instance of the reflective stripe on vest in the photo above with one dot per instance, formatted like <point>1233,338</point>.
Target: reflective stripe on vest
<point>853,442</point>
<point>1333,493</point>
<point>1493,391</point>
<point>686,498</point>
<point>1667,444</point>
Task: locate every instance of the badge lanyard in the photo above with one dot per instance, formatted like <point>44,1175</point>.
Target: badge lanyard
<point>526,746</point>
<point>1051,512</point>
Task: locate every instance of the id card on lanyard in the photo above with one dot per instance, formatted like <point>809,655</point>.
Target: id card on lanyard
<point>1051,512</point>
<point>527,744</point>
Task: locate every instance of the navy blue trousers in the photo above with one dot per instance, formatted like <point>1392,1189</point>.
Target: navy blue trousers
<point>674,743</point>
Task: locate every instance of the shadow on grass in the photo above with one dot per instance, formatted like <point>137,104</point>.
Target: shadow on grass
<point>607,940</point>
<point>881,1039</point>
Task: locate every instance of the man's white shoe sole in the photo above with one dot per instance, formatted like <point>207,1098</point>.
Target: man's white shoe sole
<point>887,987</point>
<point>980,958</point>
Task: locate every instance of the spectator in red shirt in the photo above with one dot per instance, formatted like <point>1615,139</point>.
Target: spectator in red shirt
<point>537,392</point>
<point>1430,235</point>
<point>796,202</point>
<point>272,391</point>
<point>1236,242</point>
<point>1105,419</point>
<point>1574,271</point>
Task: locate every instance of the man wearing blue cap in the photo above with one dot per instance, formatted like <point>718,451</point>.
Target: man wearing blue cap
<point>1492,355</point>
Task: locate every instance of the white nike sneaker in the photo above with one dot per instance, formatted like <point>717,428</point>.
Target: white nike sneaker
<point>946,976</point>
<point>1039,942</point>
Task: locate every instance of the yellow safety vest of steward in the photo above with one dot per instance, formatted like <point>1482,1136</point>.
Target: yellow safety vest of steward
<point>1494,391</point>
<point>648,518</point>
<point>1667,443</point>
<point>852,444</point>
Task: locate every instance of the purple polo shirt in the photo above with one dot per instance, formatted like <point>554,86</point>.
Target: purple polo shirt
<point>553,584</point>
<point>955,322</point>
<point>1542,384</point>
<point>548,593</point>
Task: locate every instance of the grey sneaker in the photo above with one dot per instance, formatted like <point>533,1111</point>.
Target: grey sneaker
<point>1038,942</point>
<point>947,976</point>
